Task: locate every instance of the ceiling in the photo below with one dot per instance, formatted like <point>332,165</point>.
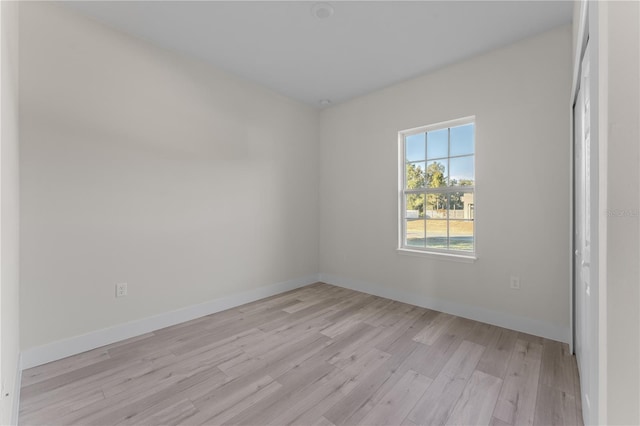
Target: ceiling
<point>362,47</point>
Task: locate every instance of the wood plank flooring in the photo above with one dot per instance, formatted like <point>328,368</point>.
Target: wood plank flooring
<point>319,355</point>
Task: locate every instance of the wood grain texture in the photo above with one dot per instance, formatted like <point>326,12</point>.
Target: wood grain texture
<point>554,407</point>
<point>400,399</point>
<point>437,404</point>
<point>319,355</point>
<point>499,349</point>
<point>434,329</point>
<point>478,400</point>
<point>517,400</point>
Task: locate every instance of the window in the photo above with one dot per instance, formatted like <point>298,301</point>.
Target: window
<point>437,185</point>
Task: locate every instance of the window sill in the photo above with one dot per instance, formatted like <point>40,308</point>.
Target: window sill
<point>437,255</point>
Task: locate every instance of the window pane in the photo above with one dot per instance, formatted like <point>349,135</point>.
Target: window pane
<point>440,163</point>
<point>436,206</point>
<point>414,147</point>
<point>414,232</point>
<point>461,171</point>
<point>436,234</point>
<point>414,204</point>
<point>461,235</point>
<point>436,175</point>
<point>461,205</point>
<point>462,140</point>
<point>438,144</point>
<point>415,176</point>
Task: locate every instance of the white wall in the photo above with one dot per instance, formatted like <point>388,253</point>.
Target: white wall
<point>519,97</point>
<point>623,206</point>
<point>142,166</point>
<point>9,214</point>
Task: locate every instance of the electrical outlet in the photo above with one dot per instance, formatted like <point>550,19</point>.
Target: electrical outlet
<point>121,289</point>
<point>514,283</point>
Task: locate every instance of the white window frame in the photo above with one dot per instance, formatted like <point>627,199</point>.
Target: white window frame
<point>402,191</point>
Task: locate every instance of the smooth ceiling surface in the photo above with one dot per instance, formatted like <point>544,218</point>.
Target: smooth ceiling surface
<point>364,46</point>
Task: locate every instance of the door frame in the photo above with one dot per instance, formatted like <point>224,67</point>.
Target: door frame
<point>581,42</point>
<point>592,26</point>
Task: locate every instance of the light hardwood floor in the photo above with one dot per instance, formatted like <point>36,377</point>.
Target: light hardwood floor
<point>319,355</point>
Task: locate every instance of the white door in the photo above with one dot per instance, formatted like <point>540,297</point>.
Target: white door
<point>582,224</point>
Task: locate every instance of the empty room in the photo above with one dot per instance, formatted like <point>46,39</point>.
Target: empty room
<point>320,213</point>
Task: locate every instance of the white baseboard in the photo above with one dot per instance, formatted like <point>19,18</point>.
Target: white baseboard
<point>85,342</point>
<point>15,410</point>
<point>501,319</point>
<point>78,344</point>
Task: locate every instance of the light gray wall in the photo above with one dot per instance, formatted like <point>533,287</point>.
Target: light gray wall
<point>9,212</point>
<point>623,208</point>
<point>519,97</point>
<point>142,166</point>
